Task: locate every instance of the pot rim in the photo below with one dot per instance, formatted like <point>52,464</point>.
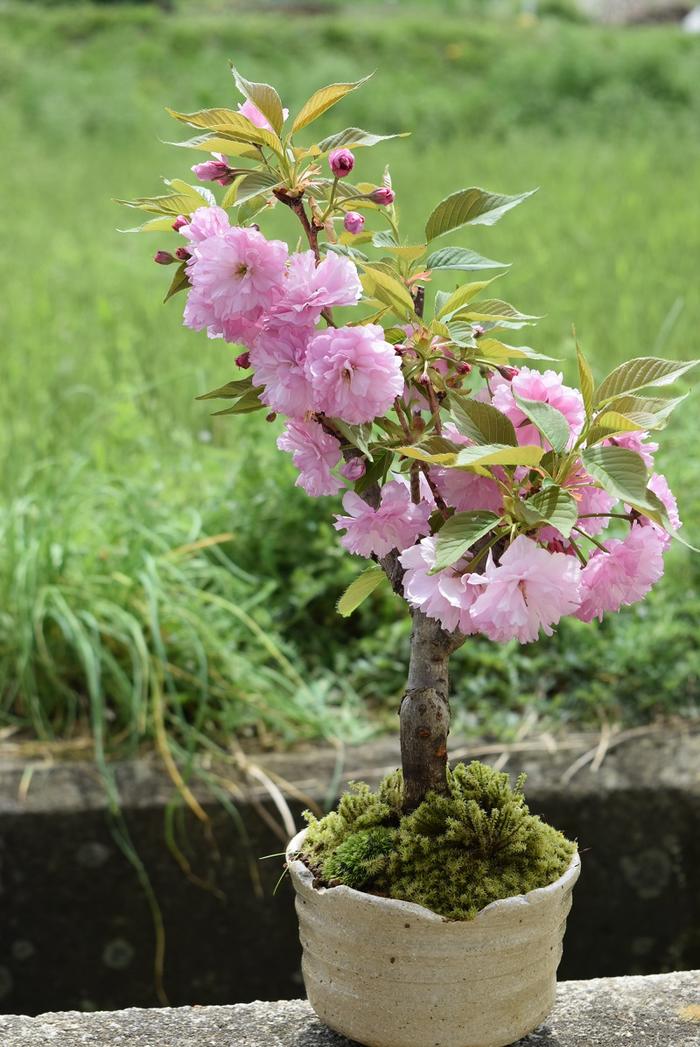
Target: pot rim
<point>301,873</point>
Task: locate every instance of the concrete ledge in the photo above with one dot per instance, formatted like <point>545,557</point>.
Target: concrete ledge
<point>77,933</point>
<point>661,1010</point>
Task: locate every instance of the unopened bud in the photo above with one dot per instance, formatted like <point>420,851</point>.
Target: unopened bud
<point>353,469</point>
<point>183,254</point>
<point>383,196</point>
<point>508,373</point>
<point>243,360</point>
<point>353,222</point>
<point>164,258</point>
<point>478,330</point>
<point>179,222</point>
<point>341,162</point>
<point>464,368</point>
<point>271,416</point>
<point>217,170</point>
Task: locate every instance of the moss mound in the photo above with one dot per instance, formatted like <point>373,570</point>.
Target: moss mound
<point>454,854</point>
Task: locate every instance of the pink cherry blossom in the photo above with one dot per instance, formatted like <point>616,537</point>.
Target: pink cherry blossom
<point>278,358</point>
<point>592,499</point>
<point>622,575</point>
<point>205,222</point>
<point>659,485</point>
<point>639,442</point>
<point>530,589</point>
<point>251,112</point>
<point>355,373</point>
<point>238,271</point>
<point>446,596</point>
<point>309,289</point>
<point>242,329</point>
<point>545,386</point>
<point>466,491</point>
<point>314,453</point>
<point>394,525</point>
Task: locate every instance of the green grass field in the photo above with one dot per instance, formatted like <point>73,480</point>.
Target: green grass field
<point>143,540</point>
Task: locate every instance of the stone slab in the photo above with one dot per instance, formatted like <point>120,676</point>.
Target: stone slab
<point>655,1011</point>
<point>77,933</point>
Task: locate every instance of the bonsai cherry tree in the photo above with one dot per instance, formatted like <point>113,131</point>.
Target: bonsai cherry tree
<point>491,496</point>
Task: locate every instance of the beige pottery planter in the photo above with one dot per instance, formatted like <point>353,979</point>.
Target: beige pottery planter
<point>389,973</point>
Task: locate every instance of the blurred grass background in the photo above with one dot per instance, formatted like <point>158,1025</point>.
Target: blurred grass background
<point>143,541</point>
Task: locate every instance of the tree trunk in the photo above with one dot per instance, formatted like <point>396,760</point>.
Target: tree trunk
<point>425,711</point>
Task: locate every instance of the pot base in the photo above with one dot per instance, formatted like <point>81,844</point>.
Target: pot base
<point>389,973</point>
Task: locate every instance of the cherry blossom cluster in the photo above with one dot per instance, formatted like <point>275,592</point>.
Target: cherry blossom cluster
<point>540,502</point>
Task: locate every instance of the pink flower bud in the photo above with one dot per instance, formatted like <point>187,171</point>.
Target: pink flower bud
<point>217,170</point>
<point>477,330</point>
<point>508,373</point>
<point>341,162</point>
<point>179,222</point>
<point>464,368</point>
<point>353,222</point>
<point>353,469</point>
<point>163,258</point>
<point>243,360</point>
<point>183,254</point>
<point>383,196</point>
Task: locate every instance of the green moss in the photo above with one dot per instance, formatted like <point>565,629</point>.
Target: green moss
<point>454,854</point>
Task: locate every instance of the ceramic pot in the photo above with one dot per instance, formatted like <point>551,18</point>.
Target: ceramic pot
<point>389,973</point>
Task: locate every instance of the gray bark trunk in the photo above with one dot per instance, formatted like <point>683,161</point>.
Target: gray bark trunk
<point>425,711</point>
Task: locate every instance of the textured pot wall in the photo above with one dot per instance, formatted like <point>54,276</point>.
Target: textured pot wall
<point>76,930</point>
<point>392,974</point>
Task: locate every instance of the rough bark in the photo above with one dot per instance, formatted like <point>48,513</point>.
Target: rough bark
<point>425,711</point>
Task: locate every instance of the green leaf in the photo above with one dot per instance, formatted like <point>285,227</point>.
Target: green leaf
<point>458,534</point>
<point>463,295</point>
<point>179,282</point>
<point>228,123</point>
<point>621,472</point>
<point>210,143</point>
<point>494,351</point>
<point>230,391</point>
<point>639,374</point>
<point>153,225</point>
<point>360,589</point>
<point>251,185</point>
<point>550,422</point>
<point>248,210</point>
<point>555,506</point>
<point>352,138</point>
<point>470,207</point>
<point>586,381</point>
<point>347,251</point>
<point>387,289</point>
<point>264,97</point>
<point>481,422</point>
<point>357,435</point>
<point>249,402</point>
<point>615,422</point>
<point>496,454</point>
<point>495,311</point>
<point>186,200</point>
<point>322,100</point>
<point>422,455</point>
<point>651,412</point>
<point>461,259</point>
